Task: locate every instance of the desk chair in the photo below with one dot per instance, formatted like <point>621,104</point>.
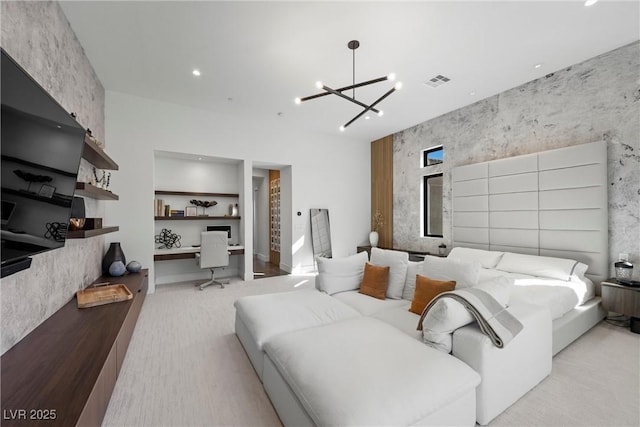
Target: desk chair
<point>213,253</point>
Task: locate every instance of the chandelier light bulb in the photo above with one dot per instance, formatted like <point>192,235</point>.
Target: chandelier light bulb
<point>398,85</point>
<point>590,2</point>
<point>298,101</point>
<point>319,84</point>
<point>196,72</point>
<point>341,128</point>
<point>380,113</point>
<point>391,76</point>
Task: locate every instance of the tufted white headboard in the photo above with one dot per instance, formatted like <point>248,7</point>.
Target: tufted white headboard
<point>552,203</point>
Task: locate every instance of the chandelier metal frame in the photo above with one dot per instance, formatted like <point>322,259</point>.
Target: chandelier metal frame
<point>353,45</point>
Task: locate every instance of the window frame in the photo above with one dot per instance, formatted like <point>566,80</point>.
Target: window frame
<point>425,155</point>
<point>425,205</point>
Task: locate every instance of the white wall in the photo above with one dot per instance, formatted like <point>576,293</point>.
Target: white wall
<point>329,171</point>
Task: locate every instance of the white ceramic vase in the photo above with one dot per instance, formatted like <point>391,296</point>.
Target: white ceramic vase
<point>373,239</point>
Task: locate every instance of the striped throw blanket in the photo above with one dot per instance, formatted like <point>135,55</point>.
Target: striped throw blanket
<point>494,319</point>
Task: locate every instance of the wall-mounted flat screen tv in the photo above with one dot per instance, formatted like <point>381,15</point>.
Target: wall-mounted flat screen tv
<point>40,146</point>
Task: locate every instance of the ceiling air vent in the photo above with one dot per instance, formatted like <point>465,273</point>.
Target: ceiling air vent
<point>436,81</point>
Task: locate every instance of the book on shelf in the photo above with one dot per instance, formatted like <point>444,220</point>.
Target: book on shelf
<point>176,212</point>
<point>158,207</point>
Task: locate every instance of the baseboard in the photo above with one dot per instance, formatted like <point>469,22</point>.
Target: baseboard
<point>262,257</point>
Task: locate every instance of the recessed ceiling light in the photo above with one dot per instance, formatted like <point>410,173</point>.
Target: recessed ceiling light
<point>590,2</point>
<point>196,72</point>
<point>367,117</point>
<point>199,158</point>
<point>472,93</point>
<point>537,66</point>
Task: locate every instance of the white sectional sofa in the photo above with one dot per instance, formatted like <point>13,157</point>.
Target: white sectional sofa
<point>334,356</point>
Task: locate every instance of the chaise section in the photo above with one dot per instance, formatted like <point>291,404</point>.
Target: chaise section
<point>261,317</point>
<point>362,371</point>
<point>507,373</point>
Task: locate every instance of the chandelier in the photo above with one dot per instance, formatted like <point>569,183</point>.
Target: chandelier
<point>353,45</point>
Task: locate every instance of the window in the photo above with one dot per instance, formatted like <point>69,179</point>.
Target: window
<point>432,208</point>
<point>432,156</point>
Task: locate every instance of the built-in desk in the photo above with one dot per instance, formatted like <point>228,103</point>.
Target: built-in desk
<point>187,252</point>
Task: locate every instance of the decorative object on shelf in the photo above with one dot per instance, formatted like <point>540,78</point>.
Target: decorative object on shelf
<point>442,248</point>
<point>95,140</point>
<point>204,204</point>
<point>377,221</point>
<point>31,178</point>
<point>167,239</point>
<point>353,45</point>
<point>114,253</point>
<point>117,269</point>
<point>77,220</point>
<point>191,211</point>
<point>373,239</point>
<point>47,191</point>
<point>103,181</point>
<point>233,209</point>
<point>56,231</point>
<point>134,267</point>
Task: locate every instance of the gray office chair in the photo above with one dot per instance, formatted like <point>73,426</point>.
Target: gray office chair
<point>213,253</point>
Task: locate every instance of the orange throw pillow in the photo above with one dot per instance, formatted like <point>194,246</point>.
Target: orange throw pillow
<point>375,281</point>
<point>426,290</point>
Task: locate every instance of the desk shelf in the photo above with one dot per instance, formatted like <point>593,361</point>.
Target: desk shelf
<point>191,218</point>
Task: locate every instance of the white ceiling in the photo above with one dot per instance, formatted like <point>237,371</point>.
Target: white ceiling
<point>256,57</point>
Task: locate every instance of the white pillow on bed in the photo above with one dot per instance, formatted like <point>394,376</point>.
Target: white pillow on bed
<point>341,274</point>
<point>397,262</point>
<point>488,259</point>
<point>447,314</point>
<point>464,273</point>
<point>541,266</point>
<point>413,269</point>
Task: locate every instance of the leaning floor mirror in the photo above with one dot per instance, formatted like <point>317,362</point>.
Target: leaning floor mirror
<point>320,233</point>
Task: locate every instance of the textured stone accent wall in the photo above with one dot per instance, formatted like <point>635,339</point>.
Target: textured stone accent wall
<point>38,36</point>
<point>598,99</point>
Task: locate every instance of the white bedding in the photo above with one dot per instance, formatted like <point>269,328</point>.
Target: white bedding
<point>559,296</point>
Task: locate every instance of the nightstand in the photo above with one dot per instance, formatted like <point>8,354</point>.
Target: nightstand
<point>622,299</point>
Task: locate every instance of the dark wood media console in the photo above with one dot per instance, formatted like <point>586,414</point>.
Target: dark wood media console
<point>64,371</point>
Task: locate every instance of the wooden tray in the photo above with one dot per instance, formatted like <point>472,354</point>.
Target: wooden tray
<point>102,295</point>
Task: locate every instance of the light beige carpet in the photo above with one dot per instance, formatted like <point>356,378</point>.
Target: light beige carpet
<point>185,367</point>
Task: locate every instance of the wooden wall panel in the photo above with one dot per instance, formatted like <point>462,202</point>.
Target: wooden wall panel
<point>382,187</point>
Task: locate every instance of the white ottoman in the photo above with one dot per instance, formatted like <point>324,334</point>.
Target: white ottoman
<point>261,317</point>
<point>363,371</point>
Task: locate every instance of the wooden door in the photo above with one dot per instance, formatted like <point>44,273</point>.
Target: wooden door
<point>274,217</point>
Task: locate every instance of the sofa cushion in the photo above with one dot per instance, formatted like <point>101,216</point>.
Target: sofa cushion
<point>324,367</point>
<point>397,261</point>
<point>487,259</point>
<point>447,314</point>
<point>375,281</point>
<point>340,274</point>
<point>541,266</point>
<point>464,273</point>
<point>413,269</point>
<point>426,290</point>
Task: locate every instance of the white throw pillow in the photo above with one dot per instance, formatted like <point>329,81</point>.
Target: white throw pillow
<point>447,314</point>
<point>464,273</point>
<point>341,274</point>
<point>398,262</point>
<point>413,268</point>
<point>488,259</point>
<point>540,266</point>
